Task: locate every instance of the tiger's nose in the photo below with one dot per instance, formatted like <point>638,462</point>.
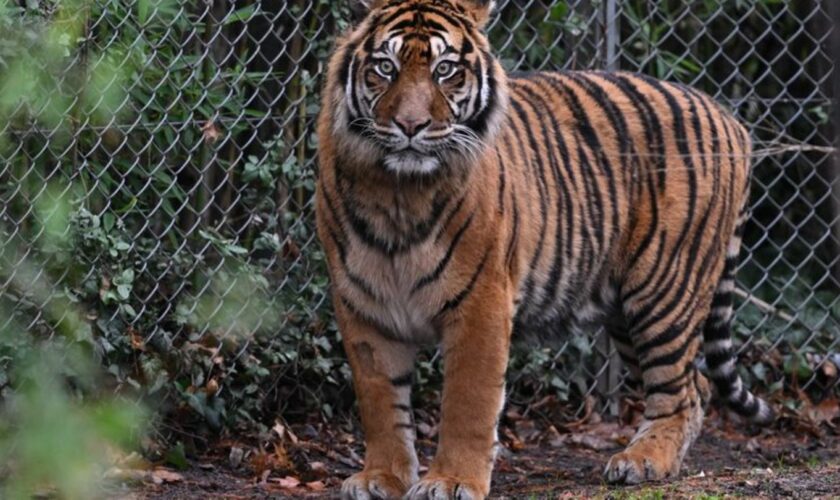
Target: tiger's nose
<point>410,126</point>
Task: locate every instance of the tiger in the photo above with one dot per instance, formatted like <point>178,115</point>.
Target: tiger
<point>458,204</point>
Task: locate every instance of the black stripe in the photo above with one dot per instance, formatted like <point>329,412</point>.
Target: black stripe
<point>672,357</point>
<point>654,138</point>
<point>655,311</point>
<point>721,299</point>
<point>725,382</point>
<point>715,143</point>
<point>402,25</point>
<point>689,368</point>
<point>381,329</point>
<point>403,380</point>
<point>449,218</point>
<point>719,358</point>
<point>533,161</point>
<point>344,69</point>
<point>616,118</point>
<point>671,333</point>
<point>467,47</point>
<point>746,410</point>
<point>593,209</point>
<point>475,95</point>
<point>642,318</point>
<point>562,242</point>
<point>712,333</point>
<point>591,138</point>
<point>650,122</point>
<point>371,238</point>
<point>681,143</point>
<point>450,17</point>
<point>514,232</point>
<point>698,132</point>
<point>502,181</point>
<point>457,299</point>
<point>436,26</point>
<point>700,271</point>
<point>680,408</point>
<point>434,275</point>
<point>669,390</point>
<point>355,279</point>
<point>479,123</point>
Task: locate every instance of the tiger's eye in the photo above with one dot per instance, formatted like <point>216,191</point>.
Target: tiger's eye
<point>444,69</point>
<point>385,67</point>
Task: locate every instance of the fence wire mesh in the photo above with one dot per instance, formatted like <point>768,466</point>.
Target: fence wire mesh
<point>179,138</point>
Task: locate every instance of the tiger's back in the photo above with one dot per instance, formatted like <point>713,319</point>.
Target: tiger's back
<point>457,204</point>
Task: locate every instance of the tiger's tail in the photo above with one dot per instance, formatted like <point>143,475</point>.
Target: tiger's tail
<point>717,341</point>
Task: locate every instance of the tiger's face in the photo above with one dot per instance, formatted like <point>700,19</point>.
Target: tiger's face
<point>419,87</point>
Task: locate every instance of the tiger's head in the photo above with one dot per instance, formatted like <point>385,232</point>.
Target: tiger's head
<point>413,85</point>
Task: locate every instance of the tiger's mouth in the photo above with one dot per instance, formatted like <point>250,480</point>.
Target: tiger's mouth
<point>411,161</point>
<point>410,149</point>
<point>424,153</point>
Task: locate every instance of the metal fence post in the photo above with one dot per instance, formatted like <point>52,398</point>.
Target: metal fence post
<point>611,30</point>
<point>610,380</point>
<point>834,18</point>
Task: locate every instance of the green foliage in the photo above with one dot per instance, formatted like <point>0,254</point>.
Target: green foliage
<point>44,427</point>
<point>187,261</point>
<point>54,397</point>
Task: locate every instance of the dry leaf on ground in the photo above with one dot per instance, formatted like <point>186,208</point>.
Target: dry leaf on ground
<point>160,476</point>
<point>286,482</point>
<point>316,486</point>
<point>825,412</point>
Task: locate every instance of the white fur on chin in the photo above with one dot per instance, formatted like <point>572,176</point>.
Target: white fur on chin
<point>411,163</point>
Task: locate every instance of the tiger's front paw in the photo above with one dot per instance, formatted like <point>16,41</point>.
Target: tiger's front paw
<point>367,485</point>
<point>436,487</point>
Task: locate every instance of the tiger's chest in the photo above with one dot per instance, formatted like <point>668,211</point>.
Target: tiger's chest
<point>399,249</point>
<point>400,294</point>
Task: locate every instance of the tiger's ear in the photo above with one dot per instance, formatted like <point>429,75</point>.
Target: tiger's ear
<point>480,10</point>
<point>359,9</point>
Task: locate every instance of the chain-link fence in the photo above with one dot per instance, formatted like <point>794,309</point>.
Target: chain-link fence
<point>177,140</point>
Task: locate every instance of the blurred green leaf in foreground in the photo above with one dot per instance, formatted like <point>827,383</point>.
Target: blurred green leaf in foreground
<point>58,430</point>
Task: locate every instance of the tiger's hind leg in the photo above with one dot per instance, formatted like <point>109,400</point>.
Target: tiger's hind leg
<point>665,339</point>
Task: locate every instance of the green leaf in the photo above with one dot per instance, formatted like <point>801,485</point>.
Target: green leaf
<point>129,310</point>
<point>108,221</point>
<point>242,15</point>
<point>176,456</point>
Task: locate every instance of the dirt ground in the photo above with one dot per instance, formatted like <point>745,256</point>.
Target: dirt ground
<point>784,462</point>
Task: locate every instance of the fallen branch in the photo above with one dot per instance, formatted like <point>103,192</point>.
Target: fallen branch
<point>793,148</point>
<point>767,307</point>
<point>775,311</point>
